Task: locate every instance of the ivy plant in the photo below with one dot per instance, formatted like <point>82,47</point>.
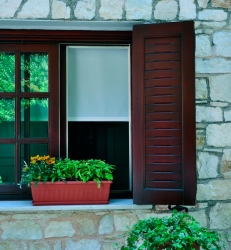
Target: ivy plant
<point>177,232</point>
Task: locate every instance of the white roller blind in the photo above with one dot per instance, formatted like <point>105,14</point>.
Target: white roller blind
<point>98,83</point>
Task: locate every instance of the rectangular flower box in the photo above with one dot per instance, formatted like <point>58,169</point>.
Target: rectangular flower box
<point>70,193</point>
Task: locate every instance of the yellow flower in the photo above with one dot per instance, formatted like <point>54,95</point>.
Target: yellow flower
<point>50,160</point>
<point>33,162</point>
<point>25,168</point>
<point>39,177</point>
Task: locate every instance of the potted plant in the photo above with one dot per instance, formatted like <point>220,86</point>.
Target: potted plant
<point>179,231</point>
<point>65,181</point>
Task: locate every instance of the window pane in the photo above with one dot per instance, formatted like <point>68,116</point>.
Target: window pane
<point>7,118</point>
<point>28,150</point>
<point>34,117</point>
<point>34,72</point>
<point>7,72</point>
<point>7,163</point>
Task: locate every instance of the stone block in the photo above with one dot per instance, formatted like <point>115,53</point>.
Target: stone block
<point>85,244</point>
<point>85,9</point>
<point>214,65</point>
<point>226,164</point>
<point>187,10</point>
<point>60,10</point>
<point>213,24</point>
<point>166,10</point>
<point>214,190</point>
<point>221,3</point>
<point>8,8</point>
<point>123,221</point>
<point>202,3</point>
<point>220,216</point>
<point>227,115</point>
<point>207,165</point>
<point>21,230</point>
<point>203,46</point>
<point>218,135</point>
<point>106,224</point>
<point>199,216</point>
<point>35,9</point>
<point>200,141</point>
<point>111,9</point>
<point>212,15</point>
<point>136,9</point>
<point>219,104</point>
<point>59,229</point>
<point>40,246</point>
<point>220,87</point>
<point>87,226</point>
<point>222,42</point>
<point>8,245</point>
<point>208,114</point>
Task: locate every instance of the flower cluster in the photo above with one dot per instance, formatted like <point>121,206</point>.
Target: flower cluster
<point>40,168</point>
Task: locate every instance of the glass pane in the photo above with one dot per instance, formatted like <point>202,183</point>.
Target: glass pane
<point>7,163</point>
<point>34,117</point>
<point>28,150</point>
<point>7,118</point>
<point>7,72</point>
<point>34,72</point>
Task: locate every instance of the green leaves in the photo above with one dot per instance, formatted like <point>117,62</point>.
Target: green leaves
<point>67,170</point>
<point>178,232</point>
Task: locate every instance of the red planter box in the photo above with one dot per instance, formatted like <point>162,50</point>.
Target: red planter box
<point>70,193</point>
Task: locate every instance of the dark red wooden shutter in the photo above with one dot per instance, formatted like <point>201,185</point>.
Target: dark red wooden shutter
<point>163,114</point>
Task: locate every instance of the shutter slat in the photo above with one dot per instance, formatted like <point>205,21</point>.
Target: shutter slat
<point>163,82</point>
<point>164,184</point>
<point>162,74</point>
<point>173,150</point>
<point>163,132</point>
<point>163,99</point>
<point>163,108</point>
<point>163,91</point>
<point>163,141</point>
<point>165,48</point>
<point>163,159</point>
<point>162,125</point>
<point>162,40</point>
<point>163,116</point>
<point>158,57</point>
<point>164,167</point>
<point>167,176</point>
<point>162,65</point>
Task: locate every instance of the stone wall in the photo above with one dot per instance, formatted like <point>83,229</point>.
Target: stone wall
<point>213,115</point>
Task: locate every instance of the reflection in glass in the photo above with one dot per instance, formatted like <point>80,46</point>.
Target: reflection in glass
<point>7,118</point>
<point>7,163</point>
<point>34,72</point>
<point>7,72</point>
<point>34,117</point>
<point>28,150</point>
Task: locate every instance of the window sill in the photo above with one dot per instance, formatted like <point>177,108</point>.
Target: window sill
<point>114,204</point>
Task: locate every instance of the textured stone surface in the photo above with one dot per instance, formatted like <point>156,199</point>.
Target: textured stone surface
<point>87,226</point>
<point>218,135</point>
<point>199,216</point>
<point>106,224</point>
<point>87,244</point>
<point>207,165</point>
<point>214,65</point>
<point>219,104</point>
<point>60,10</point>
<point>187,10</point>
<point>222,41</point>
<point>212,15</point>
<point>200,141</point>
<point>166,10</point>
<point>220,87</point>
<point>40,246</point>
<point>208,114</point>
<point>201,89</point>
<point>136,9</point>
<point>220,216</point>
<point>203,46</point>
<point>221,3</point>
<point>122,221</point>
<point>214,24</point>
<point>8,8</point>
<point>8,246</point>
<point>85,9</point>
<point>21,230</point>
<point>226,163</point>
<point>214,190</point>
<point>227,115</point>
<point>59,229</point>
<point>202,3</point>
<point>34,9</point>
<point>111,9</point>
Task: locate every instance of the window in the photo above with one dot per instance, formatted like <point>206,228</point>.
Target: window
<point>162,106</point>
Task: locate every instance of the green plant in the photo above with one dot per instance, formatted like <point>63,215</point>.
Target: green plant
<point>46,168</point>
<point>179,231</point>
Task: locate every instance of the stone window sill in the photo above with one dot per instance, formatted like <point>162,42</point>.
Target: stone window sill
<point>114,204</point>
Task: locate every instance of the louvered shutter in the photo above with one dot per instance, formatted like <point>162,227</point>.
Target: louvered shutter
<point>163,114</point>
